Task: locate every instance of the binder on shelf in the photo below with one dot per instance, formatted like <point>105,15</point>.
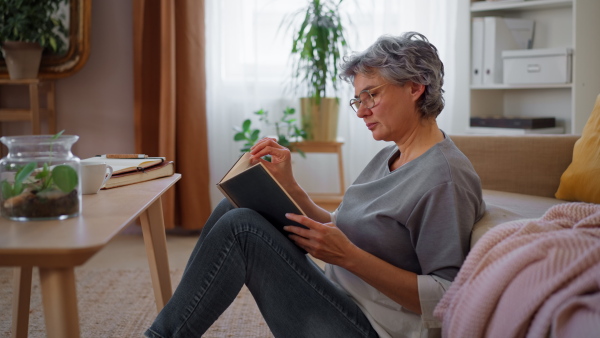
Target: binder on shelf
<point>503,34</point>
<point>477,51</point>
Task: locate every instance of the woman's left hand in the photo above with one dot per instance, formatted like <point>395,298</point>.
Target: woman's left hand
<point>323,241</point>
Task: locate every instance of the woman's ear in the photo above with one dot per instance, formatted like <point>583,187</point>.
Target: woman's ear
<point>416,90</point>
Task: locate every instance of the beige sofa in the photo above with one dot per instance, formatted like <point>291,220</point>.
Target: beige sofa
<point>519,174</point>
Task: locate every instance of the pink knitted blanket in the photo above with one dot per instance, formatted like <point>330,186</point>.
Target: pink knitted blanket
<point>530,278</point>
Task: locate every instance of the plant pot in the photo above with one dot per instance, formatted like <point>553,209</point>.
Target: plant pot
<point>22,59</point>
<point>39,178</point>
<point>320,121</point>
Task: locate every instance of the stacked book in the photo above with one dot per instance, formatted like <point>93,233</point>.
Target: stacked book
<point>127,170</point>
<point>514,125</point>
<point>514,122</point>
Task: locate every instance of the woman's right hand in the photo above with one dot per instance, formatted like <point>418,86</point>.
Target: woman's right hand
<point>281,160</point>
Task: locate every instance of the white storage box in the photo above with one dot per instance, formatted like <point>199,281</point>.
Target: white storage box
<point>533,66</point>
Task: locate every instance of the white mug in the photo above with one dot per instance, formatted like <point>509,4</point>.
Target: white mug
<point>93,176</point>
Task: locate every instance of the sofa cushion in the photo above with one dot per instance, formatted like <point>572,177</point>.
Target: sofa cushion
<point>581,180</point>
<point>523,164</point>
<point>502,207</point>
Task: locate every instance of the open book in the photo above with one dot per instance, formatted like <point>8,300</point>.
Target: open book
<point>254,187</point>
<point>123,165</point>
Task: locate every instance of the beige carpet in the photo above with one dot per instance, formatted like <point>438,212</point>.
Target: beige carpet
<point>120,303</point>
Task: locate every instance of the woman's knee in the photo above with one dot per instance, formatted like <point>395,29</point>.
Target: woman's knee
<point>242,217</point>
<point>243,222</point>
<point>223,206</point>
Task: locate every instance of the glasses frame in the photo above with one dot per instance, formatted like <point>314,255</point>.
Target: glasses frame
<point>357,99</point>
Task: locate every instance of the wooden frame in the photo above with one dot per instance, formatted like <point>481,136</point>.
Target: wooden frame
<point>59,66</point>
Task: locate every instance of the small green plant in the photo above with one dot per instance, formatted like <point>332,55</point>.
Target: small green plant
<point>286,129</point>
<point>62,176</point>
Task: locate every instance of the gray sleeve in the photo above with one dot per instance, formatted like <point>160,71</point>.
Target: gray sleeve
<point>440,227</point>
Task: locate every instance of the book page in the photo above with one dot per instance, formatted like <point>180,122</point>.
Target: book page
<point>121,165</point>
<point>241,165</point>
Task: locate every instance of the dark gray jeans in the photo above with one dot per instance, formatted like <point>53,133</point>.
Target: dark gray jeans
<point>237,247</point>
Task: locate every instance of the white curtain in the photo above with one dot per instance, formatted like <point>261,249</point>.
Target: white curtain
<point>247,64</point>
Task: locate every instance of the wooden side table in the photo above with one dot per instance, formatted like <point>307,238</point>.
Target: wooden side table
<point>33,113</point>
<point>56,247</point>
<point>332,200</point>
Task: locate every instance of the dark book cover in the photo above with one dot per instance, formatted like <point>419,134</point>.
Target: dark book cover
<point>253,187</point>
<point>514,122</point>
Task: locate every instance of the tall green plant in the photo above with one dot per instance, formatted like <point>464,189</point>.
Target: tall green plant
<point>33,21</point>
<point>318,46</point>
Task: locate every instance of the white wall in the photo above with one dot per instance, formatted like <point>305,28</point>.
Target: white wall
<point>95,103</point>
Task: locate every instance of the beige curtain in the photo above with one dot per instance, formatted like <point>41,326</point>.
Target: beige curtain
<point>170,101</point>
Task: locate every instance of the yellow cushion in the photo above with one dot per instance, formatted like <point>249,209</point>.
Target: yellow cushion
<point>581,180</point>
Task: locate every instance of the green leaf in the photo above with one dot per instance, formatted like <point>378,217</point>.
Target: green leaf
<point>65,177</point>
<point>45,171</point>
<point>246,125</point>
<point>17,188</point>
<point>57,135</point>
<point>53,44</point>
<point>254,136</point>
<point>283,140</point>
<point>239,136</point>
<point>42,174</point>
<point>24,172</point>
<point>7,191</point>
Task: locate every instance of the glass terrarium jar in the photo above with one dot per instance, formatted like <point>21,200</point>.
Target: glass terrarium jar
<point>39,178</point>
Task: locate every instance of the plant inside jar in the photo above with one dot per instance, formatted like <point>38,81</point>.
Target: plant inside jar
<point>43,192</point>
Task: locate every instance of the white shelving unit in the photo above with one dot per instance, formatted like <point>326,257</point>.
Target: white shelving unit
<point>558,24</point>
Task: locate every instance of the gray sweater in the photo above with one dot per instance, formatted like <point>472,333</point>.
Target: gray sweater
<point>418,217</point>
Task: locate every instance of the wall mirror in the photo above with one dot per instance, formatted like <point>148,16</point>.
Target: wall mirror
<point>64,64</point>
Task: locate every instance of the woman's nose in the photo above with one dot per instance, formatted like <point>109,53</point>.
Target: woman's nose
<point>363,111</point>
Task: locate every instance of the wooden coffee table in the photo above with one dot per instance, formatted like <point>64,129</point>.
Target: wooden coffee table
<point>57,247</point>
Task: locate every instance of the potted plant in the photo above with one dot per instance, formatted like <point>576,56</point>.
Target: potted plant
<point>286,130</point>
<point>317,48</point>
<point>27,28</point>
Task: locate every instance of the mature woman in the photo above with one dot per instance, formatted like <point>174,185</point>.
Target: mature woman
<point>392,247</point>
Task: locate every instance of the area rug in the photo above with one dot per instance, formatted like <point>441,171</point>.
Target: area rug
<point>120,303</point>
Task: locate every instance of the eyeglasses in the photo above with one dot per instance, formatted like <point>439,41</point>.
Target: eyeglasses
<point>365,98</point>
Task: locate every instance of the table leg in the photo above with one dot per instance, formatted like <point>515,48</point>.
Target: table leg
<point>60,302</point>
<point>153,228</point>
<point>21,300</point>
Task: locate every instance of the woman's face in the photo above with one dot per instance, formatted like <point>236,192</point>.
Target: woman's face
<point>394,114</point>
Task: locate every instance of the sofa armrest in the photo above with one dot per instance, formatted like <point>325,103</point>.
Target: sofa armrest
<point>531,164</point>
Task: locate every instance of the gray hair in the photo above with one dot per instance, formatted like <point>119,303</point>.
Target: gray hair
<point>400,59</point>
